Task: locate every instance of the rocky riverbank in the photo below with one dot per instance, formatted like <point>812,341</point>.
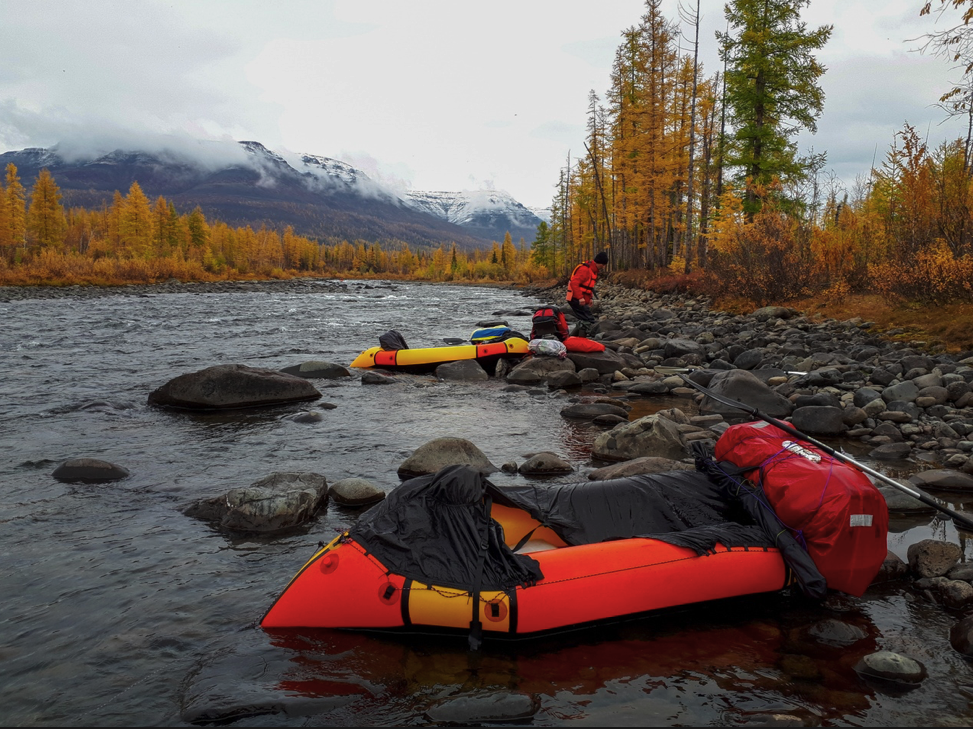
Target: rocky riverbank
<point>839,378</point>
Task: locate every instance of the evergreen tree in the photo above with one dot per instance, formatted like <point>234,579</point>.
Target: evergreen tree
<point>771,87</point>
<point>46,223</point>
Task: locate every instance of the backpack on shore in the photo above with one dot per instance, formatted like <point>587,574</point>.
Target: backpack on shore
<point>548,323</point>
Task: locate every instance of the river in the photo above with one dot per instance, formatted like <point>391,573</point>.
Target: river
<point>121,610</point>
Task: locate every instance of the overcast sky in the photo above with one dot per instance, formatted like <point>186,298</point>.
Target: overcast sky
<point>428,95</point>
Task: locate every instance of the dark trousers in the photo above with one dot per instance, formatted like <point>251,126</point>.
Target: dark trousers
<point>583,312</point>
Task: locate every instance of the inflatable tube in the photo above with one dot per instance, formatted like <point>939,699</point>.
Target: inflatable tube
<point>343,586</point>
<point>432,356</point>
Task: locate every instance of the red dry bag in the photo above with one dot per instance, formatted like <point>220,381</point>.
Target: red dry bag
<point>829,506</point>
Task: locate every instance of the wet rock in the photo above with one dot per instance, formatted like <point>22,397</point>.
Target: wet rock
<point>655,387</point>
<point>746,388</point>
<point>509,467</point>
<point>647,436</point>
<point>464,370</point>
<point>438,453</point>
<point>800,667</point>
<point>891,667</point>
<point>605,362</point>
<point>956,594</point>
<point>589,374</point>
<point>563,380</point>
<point>88,470</point>
<point>944,480</point>
<point>277,502</point>
<point>819,420</point>
<point>545,464</point>
<point>961,636</point>
<point>609,421</point>
<point>891,451</point>
<point>961,572</point>
<point>933,557</point>
<point>376,378</point>
<point>537,369</point>
<point>318,370</point>
<point>306,417</point>
<point>892,569</point>
<point>355,492</point>
<point>591,410</point>
<point>232,386</point>
<point>490,708</point>
<point>899,502</point>
<point>836,632</point>
<point>638,467</point>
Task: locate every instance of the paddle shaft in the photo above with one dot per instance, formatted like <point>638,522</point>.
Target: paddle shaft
<point>965,521</point>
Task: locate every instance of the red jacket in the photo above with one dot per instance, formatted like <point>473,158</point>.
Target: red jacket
<point>582,283</point>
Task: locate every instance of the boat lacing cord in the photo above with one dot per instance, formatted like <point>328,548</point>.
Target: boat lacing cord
<point>476,626</point>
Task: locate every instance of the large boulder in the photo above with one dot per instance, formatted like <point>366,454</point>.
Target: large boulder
<point>651,435</point>
<point>462,370</point>
<point>638,467</point>
<point>591,410</point>
<point>232,386</point>
<point>605,362</point>
<point>943,479</point>
<point>933,557</point>
<point>545,464</point>
<point>819,420</point>
<point>438,453</point>
<point>318,370</point>
<point>535,370</point>
<point>744,387</point>
<point>275,503</point>
<point>88,470</point>
<point>355,492</point>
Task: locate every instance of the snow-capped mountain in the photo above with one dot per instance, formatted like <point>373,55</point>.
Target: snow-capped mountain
<point>488,213</point>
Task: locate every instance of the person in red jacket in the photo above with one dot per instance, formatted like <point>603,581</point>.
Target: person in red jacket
<point>581,288</point>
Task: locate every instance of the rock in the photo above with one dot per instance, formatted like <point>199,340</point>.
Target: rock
<point>893,568</point>
<point>677,347</point>
<point>545,464</point>
<point>376,378</point>
<point>655,387</point>
<point>318,370</point>
<point>606,362</point>
<point>865,395</point>
<point>891,667</point>
<point>306,416</point>
<point>933,558</point>
<point>491,708</point>
<point>537,369</point>
<point>852,416</point>
<point>766,313</point>
<point>836,633</point>
<point>356,492</point>
<point>88,470</point>
<point>563,380</point>
<point>232,386</point>
<point>903,391</point>
<point>961,636</point>
<point>943,480</point>
<point>891,451</point>
<point>509,467</point>
<point>591,410</point>
<point>647,436</point>
<point>638,467</point>
<point>609,420</point>
<point>435,455</point>
<point>819,420</point>
<point>746,388</point>
<point>899,502</point>
<point>749,359</point>
<point>277,502</point>
<point>463,370</point>
<point>589,374</point>
<point>956,594</point>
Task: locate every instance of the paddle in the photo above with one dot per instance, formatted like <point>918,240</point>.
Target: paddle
<point>960,520</point>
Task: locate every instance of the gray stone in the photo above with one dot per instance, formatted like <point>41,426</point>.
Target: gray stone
<point>677,347</point>
<point>933,557</point>
<point>307,417</point>
<point>773,312</point>
<point>277,502</point>
<point>608,420</point>
<point>462,370</point>
<point>836,633</point>
<point>819,420</point>
<point>647,436</point>
<point>316,369</point>
<point>865,395</point>
<point>545,464</point>
<point>606,362</point>
<point>88,470</point>
<point>376,378</point>
<point>892,569</point>
<point>891,451</point>
<point>956,594</point>
<point>961,636</point>
<point>655,387</point>
<point>537,369</point>
<point>355,492</point>
<point>746,388</point>
<point>852,416</point>
<point>924,381</point>
<point>483,709</point>
<point>232,386</point>
<point>938,396</point>
<point>438,453</point>
<point>943,479</point>
<point>903,391</point>
<point>589,374</point>
<point>591,410</point>
<point>874,407</point>
<point>891,667</point>
<point>563,380</point>
<point>638,467</point>
<point>749,359</point>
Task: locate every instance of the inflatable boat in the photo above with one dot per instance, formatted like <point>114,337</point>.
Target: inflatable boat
<point>453,551</point>
<point>427,358</point>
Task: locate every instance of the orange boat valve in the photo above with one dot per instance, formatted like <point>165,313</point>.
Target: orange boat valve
<point>388,594</point>
<point>496,610</point>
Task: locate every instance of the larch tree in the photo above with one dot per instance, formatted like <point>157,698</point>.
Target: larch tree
<point>46,223</point>
<point>135,225</point>
<point>16,208</point>
<point>772,89</point>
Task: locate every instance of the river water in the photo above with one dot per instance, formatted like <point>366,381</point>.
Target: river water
<point>120,610</point>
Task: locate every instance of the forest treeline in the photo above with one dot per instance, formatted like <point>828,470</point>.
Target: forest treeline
<point>134,240</point>
<point>698,173</point>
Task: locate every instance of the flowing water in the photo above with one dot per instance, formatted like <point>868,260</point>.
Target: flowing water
<point>120,610</point>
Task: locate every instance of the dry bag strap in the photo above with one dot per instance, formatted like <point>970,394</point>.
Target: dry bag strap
<point>476,627</point>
